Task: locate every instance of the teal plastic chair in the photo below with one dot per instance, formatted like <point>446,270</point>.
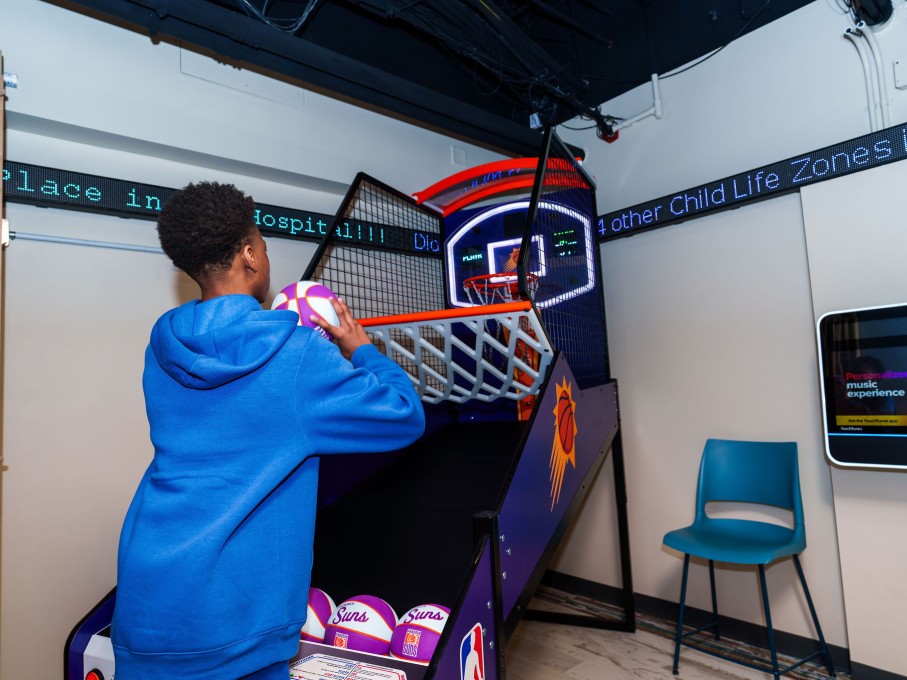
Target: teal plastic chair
<point>764,473</point>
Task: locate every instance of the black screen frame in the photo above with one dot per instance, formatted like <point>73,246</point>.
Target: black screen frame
<point>882,443</point>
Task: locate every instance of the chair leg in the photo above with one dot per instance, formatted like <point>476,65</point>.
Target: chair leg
<point>714,599</point>
<point>768,623</point>
<point>812,610</point>
<point>683,597</point>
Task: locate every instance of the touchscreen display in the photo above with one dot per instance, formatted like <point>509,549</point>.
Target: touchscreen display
<point>863,355</point>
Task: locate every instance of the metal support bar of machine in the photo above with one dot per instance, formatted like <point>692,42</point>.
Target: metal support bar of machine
<point>628,602</point>
<point>487,523</point>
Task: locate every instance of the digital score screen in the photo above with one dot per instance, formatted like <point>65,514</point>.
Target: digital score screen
<point>863,356</point>
<point>567,242</point>
<point>472,261</point>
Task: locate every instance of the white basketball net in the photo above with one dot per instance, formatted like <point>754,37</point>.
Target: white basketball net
<point>493,289</point>
<point>458,359</point>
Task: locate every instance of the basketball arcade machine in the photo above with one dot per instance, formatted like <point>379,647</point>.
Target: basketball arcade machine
<point>497,316</point>
<point>511,314</point>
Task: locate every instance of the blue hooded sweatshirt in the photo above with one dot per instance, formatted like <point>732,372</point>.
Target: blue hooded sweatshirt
<point>215,554</point>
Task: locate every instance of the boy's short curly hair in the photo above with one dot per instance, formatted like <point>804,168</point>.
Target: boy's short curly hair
<point>203,225</point>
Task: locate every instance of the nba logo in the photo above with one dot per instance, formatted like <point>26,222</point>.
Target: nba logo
<point>341,639</point>
<point>472,656</point>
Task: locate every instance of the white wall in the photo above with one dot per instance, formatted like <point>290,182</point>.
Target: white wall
<point>856,248</point>
<point>711,335</point>
<point>102,100</point>
<point>711,322</point>
<point>75,434</point>
<point>793,86</point>
<point>84,80</point>
<point>99,99</point>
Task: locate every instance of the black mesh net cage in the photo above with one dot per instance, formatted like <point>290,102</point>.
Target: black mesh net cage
<point>560,243</point>
<point>383,256</point>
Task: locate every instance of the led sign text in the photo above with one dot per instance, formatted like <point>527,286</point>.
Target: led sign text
<point>49,187</point>
<point>838,160</point>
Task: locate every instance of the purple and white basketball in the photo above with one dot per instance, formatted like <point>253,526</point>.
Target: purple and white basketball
<point>364,623</point>
<point>321,608</point>
<point>307,298</point>
<point>418,631</point>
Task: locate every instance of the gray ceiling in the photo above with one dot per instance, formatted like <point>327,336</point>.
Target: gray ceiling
<point>475,69</point>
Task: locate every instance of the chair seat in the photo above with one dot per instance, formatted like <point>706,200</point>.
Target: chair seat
<point>735,540</point>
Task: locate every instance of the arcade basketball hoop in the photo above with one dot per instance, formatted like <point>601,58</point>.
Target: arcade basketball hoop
<point>452,355</point>
<point>502,288</point>
<point>498,288</point>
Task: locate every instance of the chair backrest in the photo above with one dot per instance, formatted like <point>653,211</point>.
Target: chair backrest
<point>765,473</point>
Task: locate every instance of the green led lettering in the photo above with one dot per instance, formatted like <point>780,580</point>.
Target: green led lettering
<point>23,186</point>
<point>151,202</point>
<point>50,188</point>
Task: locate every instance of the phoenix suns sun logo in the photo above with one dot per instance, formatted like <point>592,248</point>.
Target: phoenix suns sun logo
<point>562,451</point>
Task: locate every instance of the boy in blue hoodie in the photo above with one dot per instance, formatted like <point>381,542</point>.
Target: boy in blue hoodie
<point>215,554</point>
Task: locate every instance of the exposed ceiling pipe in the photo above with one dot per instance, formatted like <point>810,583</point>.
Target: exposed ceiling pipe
<point>18,235</point>
<point>655,110</point>
<point>869,78</point>
<point>876,51</point>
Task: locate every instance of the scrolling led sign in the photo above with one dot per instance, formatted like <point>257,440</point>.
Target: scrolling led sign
<point>862,153</point>
<point>49,187</point>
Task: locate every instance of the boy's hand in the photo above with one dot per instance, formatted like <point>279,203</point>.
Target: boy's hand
<point>348,334</point>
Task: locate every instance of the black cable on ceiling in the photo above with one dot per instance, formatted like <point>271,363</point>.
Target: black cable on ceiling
<point>481,32</point>
<point>290,25</point>
<point>736,35</point>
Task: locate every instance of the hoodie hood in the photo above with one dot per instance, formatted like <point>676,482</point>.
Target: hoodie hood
<point>207,344</point>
